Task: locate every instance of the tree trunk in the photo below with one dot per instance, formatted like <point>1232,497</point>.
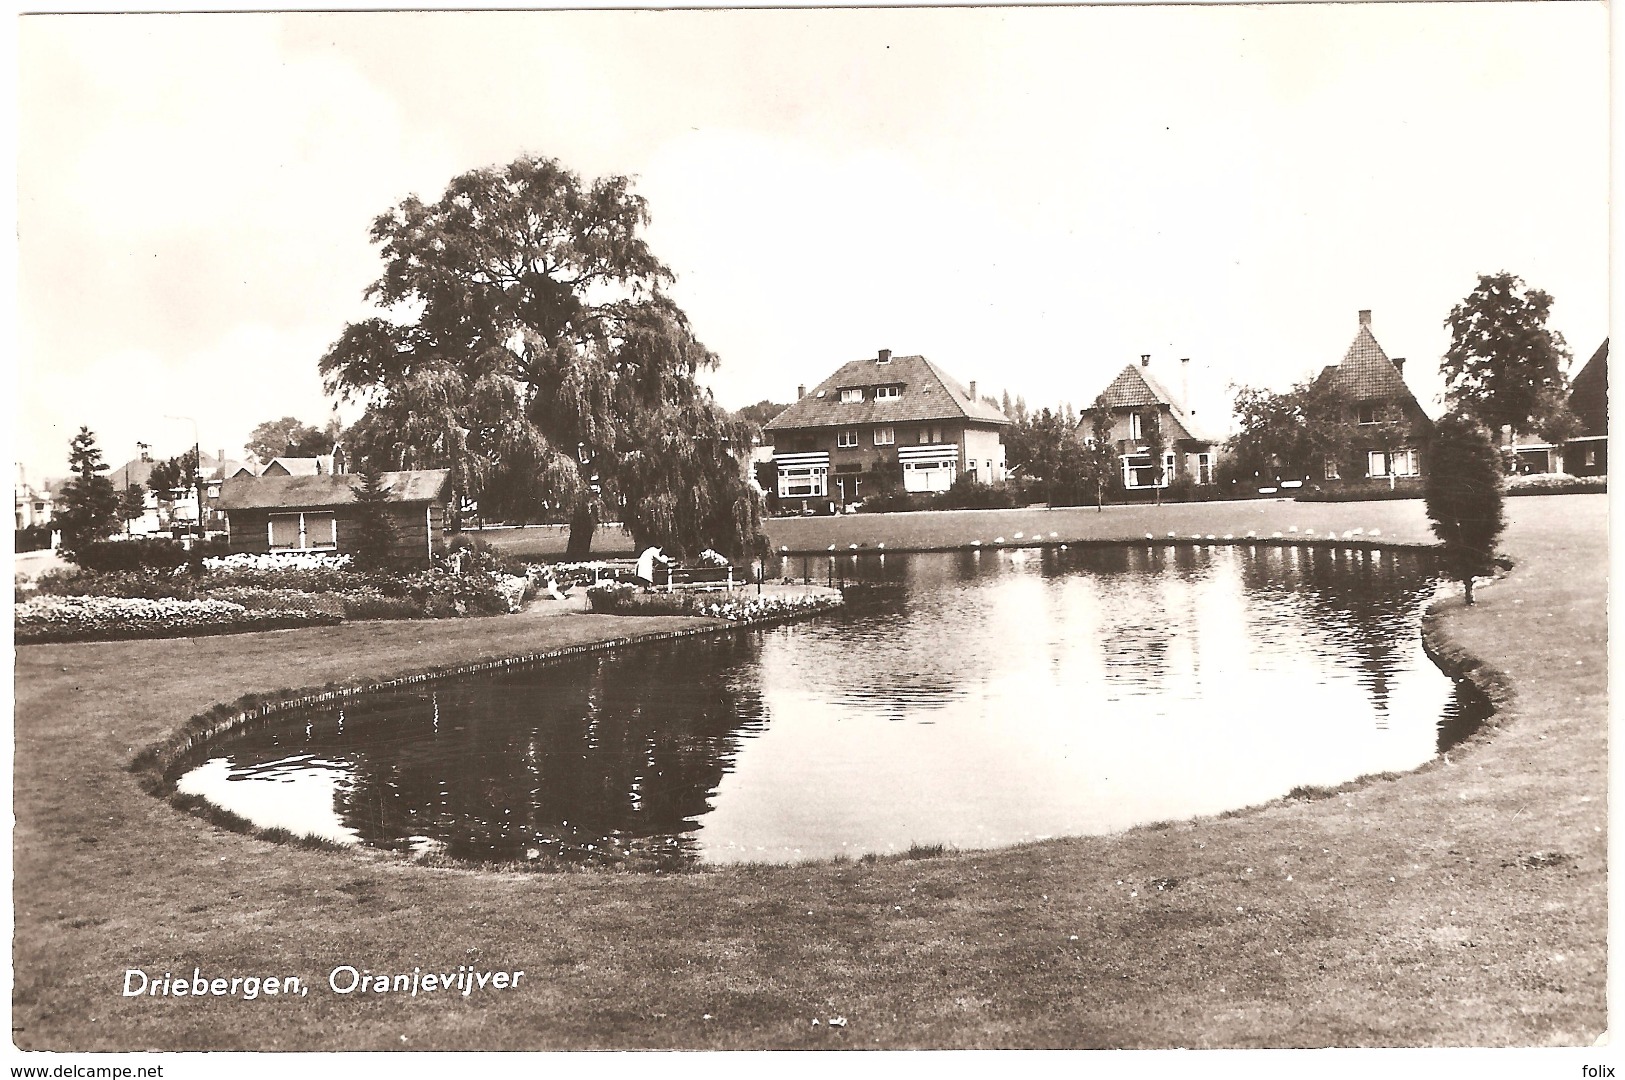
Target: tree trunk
<point>582,523</point>
<point>1468,581</point>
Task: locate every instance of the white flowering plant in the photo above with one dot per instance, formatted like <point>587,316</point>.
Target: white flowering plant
<point>89,618</point>
<point>279,560</point>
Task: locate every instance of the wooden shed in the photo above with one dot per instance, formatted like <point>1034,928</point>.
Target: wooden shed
<point>319,513</point>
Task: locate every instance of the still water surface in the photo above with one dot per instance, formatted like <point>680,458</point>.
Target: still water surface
<point>1002,696</point>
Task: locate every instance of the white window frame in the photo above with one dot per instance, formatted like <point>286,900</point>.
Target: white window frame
<point>1130,468</point>
<point>1376,463</point>
<point>812,478</point>
<point>1204,468</point>
<point>885,436</point>
<point>306,518</point>
<point>851,395</point>
<point>1364,411</point>
<point>848,437</point>
<point>884,392</point>
<point>1403,462</point>
<point>1135,427</point>
<point>1331,470</point>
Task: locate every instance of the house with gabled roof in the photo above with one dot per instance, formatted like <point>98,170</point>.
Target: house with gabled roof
<point>300,466</point>
<point>1392,433</point>
<point>1132,399</point>
<point>1587,453</point>
<point>320,513</point>
<point>880,423</point>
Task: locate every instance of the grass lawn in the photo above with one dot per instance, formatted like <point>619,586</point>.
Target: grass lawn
<point>1464,904</point>
<point>1402,521</point>
<point>924,530</point>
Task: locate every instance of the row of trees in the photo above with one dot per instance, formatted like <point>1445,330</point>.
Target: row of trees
<point>1072,466</point>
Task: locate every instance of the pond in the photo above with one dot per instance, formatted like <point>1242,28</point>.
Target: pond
<point>992,697</point>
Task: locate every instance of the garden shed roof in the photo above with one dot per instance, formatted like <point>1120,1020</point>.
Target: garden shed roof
<point>296,492</point>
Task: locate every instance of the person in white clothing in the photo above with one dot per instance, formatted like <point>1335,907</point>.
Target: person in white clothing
<point>647,562</point>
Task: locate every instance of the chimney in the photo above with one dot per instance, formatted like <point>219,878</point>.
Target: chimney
<point>973,389</point>
<point>1185,384</point>
<point>801,391</point>
<point>1399,365</point>
<point>885,357</point>
<point>1145,359</point>
<point>1365,317</point>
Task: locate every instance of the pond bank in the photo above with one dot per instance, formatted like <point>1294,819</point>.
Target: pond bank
<point>1398,522</point>
<point>1478,887</point>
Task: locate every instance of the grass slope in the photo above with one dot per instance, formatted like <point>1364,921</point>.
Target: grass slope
<point>1461,905</point>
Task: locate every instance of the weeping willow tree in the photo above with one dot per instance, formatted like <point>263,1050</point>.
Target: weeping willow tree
<point>527,345</point>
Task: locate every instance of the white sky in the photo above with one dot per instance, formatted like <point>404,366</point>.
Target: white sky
<point>1031,197</point>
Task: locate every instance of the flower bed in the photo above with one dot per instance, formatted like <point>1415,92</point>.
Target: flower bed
<point>281,560</point>
<point>97,618</point>
<point>1555,484</point>
<point>623,599</point>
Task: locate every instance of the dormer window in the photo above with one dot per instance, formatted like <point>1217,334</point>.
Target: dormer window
<point>884,392</point>
<point>848,396</point>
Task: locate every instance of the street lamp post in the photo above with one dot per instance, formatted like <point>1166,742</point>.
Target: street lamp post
<point>197,468</point>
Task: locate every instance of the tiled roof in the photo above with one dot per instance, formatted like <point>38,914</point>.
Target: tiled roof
<point>1135,387</point>
<point>1366,373</point>
<point>929,393</point>
<point>298,466</point>
<point>1588,392</point>
<point>272,492</point>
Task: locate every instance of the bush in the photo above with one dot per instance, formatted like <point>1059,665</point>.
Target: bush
<point>1409,487</point>
<point>611,598</point>
<point>966,494</point>
<point>281,600</point>
<point>33,538</point>
<point>313,578</point>
<point>144,553</point>
<point>969,494</point>
<point>369,603</point>
<point>444,595</point>
<point>465,554</point>
<point>111,556</point>
<point>893,502</point>
<point>130,584</point>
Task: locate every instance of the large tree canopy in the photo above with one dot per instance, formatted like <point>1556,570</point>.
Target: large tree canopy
<point>528,346</point>
<point>291,437</point>
<point>1289,434</point>
<point>1504,366</point>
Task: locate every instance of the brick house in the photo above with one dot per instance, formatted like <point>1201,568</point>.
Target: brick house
<point>318,513</point>
<point>1392,433</point>
<point>1131,398</point>
<point>1587,453</point>
<point>883,422</point>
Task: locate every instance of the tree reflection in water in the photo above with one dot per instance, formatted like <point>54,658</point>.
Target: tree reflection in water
<point>594,759</point>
